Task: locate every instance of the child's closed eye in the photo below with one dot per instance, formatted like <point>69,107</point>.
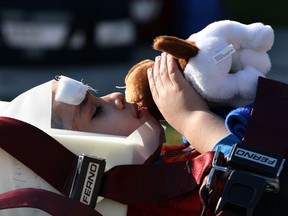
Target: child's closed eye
<point>98,110</point>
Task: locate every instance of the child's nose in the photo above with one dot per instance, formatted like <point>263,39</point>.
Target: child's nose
<point>118,99</point>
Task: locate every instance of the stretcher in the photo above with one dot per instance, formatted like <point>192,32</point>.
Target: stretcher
<point>115,149</point>
<point>256,169</point>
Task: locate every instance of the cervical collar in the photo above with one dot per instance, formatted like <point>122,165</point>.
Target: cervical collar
<point>34,107</point>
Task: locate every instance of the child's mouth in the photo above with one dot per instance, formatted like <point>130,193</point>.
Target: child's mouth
<point>143,112</point>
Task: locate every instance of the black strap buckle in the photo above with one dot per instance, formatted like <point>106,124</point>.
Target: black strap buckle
<point>87,179</point>
<point>248,175</point>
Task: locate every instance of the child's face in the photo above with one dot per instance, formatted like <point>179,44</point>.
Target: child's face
<point>109,114</point>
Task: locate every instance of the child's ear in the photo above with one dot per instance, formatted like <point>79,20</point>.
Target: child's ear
<point>178,48</point>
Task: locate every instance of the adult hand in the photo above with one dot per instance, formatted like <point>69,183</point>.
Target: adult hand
<point>173,94</point>
<point>181,106</point>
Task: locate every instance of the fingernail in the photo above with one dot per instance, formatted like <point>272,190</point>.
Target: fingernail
<point>157,58</point>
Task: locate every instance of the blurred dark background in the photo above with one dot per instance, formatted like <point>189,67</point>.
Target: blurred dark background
<point>99,41</point>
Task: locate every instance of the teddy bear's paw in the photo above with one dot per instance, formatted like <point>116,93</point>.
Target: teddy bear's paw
<point>264,37</point>
<point>258,60</point>
<point>247,80</point>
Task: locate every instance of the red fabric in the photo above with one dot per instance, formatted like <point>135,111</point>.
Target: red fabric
<point>187,204</point>
<point>177,153</point>
<point>52,203</point>
<point>28,144</point>
<point>131,184</point>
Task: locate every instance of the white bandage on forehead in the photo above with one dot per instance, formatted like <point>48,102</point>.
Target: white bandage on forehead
<point>70,91</point>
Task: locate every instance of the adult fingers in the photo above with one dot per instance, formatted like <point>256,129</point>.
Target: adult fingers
<point>157,70</point>
<point>152,85</point>
<point>174,72</point>
<point>164,69</point>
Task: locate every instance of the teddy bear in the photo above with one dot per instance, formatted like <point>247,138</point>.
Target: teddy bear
<point>222,61</point>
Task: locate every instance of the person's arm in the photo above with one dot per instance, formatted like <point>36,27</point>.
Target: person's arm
<point>182,107</point>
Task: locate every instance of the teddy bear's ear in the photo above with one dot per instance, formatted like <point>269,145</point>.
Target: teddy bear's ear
<point>179,48</point>
<point>138,90</point>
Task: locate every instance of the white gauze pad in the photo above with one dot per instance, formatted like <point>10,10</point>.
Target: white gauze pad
<point>70,91</point>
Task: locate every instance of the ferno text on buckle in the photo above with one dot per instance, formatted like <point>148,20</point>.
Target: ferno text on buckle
<point>87,179</point>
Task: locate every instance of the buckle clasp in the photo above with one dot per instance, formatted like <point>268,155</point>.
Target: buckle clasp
<point>249,173</point>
